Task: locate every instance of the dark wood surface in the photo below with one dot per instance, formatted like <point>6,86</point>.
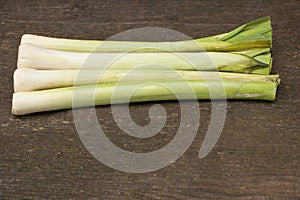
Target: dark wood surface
<point>256,157</point>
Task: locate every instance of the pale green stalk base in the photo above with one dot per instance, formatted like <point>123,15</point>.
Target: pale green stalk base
<point>35,57</point>
<point>32,80</point>
<point>62,98</point>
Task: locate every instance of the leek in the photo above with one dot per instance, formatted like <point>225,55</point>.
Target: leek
<point>31,56</point>
<point>62,98</point>
<point>32,80</point>
<point>255,34</point>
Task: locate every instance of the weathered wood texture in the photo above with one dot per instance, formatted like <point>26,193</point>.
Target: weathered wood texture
<point>256,157</point>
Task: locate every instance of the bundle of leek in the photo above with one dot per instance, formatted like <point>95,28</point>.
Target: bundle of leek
<point>51,70</point>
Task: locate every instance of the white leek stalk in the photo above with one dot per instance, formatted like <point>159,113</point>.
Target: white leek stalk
<point>62,98</point>
<point>35,57</point>
<point>255,34</point>
<point>31,79</point>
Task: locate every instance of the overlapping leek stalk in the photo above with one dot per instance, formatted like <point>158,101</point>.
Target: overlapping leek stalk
<point>103,94</point>
<point>35,57</point>
<point>31,80</point>
<point>255,34</point>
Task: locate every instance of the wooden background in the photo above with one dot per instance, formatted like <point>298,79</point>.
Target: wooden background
<point>256,157</point>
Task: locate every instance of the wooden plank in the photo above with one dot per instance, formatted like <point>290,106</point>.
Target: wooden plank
<point>256,157</point>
